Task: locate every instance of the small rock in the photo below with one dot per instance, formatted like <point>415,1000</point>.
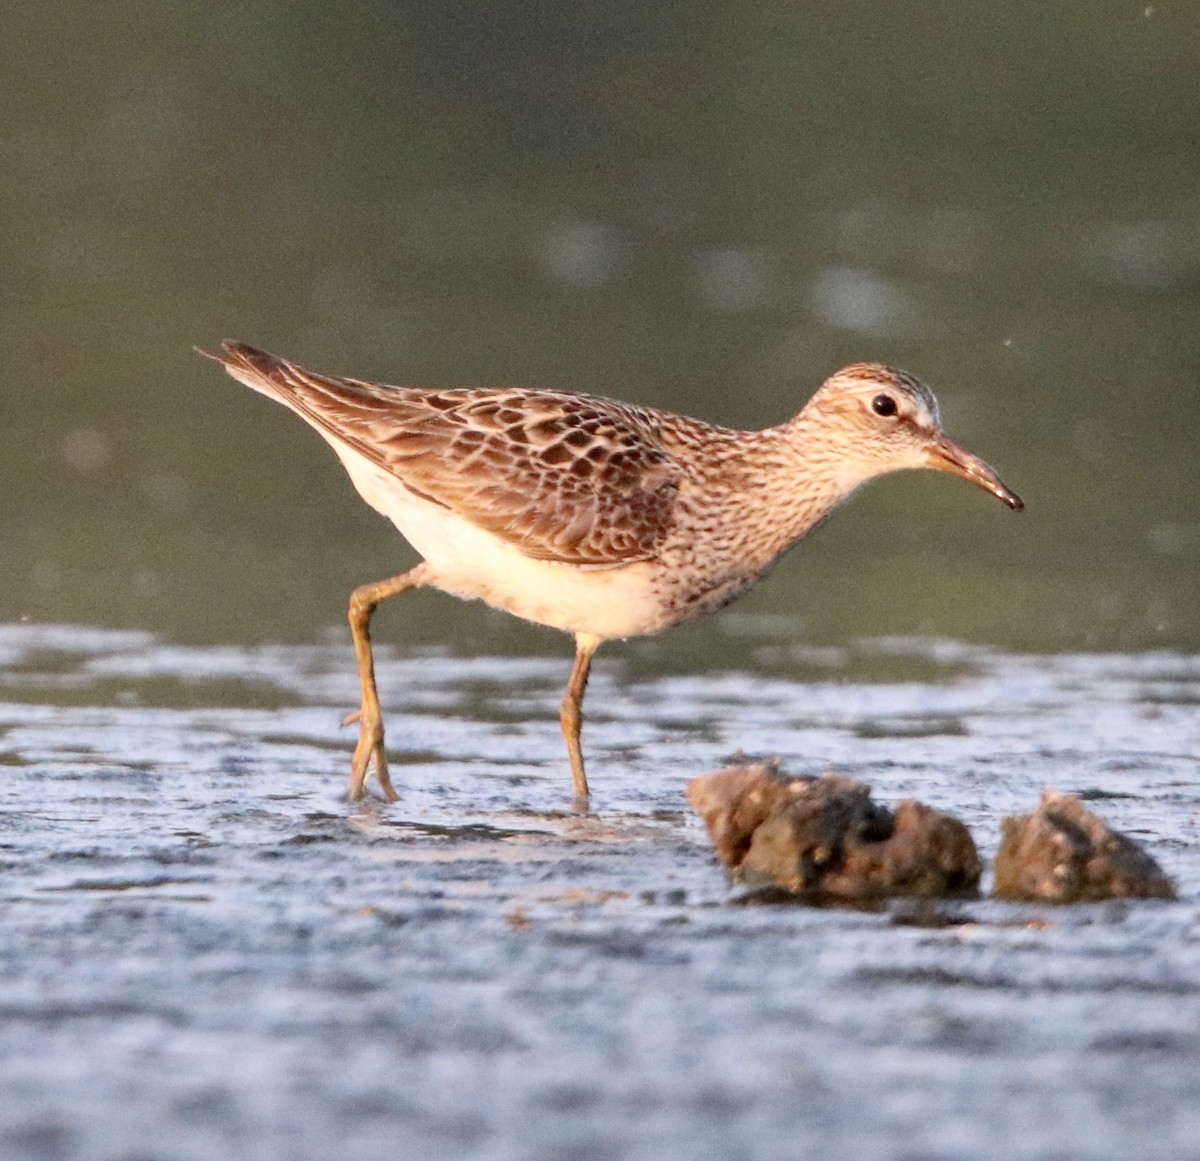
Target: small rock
<point>824,837</point>
<point>1063,853</point>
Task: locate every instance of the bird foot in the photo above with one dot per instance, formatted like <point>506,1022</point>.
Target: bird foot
<point>368,748</point>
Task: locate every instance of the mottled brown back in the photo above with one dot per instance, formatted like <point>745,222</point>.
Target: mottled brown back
<point>569,478</point>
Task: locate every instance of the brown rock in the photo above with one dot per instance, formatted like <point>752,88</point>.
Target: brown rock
<point>1063,853</point>
<point>734,803</point>
<point>825,837</point>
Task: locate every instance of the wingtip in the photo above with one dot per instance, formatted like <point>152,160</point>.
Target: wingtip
<point>234,352</point>
<point>240,350</point>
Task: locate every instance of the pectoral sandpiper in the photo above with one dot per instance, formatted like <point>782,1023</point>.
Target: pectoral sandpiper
<point>595,517</point>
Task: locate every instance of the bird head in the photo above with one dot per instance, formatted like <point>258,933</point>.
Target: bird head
<point>875,419</point>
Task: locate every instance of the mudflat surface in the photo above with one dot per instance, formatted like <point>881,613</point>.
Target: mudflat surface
<point>207,954</point>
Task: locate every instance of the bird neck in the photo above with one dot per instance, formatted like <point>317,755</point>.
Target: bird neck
<point>768,493</point>
<point>813,473</point>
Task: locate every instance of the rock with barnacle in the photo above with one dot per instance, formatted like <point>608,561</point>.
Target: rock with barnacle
<point>1063,853</point>
<point>824,838</point>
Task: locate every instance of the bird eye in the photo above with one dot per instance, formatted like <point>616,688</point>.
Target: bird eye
<point>883,405</point>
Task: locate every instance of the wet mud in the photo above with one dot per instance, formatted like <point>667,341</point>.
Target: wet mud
<point>206,953</point>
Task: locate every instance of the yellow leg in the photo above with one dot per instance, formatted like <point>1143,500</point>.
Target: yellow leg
<point>571,716</point>
<point>370,721</point>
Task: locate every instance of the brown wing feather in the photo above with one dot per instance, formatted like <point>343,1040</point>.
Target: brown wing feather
<point>561,477</point>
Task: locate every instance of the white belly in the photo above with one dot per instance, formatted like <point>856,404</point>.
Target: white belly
<point>473,564</point>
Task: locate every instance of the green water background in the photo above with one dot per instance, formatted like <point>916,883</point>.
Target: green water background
<point>707,207</point>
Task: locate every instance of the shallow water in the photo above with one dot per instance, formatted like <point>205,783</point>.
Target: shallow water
<point>208,954</point>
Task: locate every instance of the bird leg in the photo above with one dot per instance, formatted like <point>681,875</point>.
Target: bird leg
<point>370,721</point>
<point>571,716</point>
